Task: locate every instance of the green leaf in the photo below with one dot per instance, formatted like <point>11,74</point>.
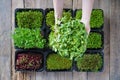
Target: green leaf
<point>29,19</point>
<point>90,62</point>
<point>28,38</point>
<point>96,19</point>
<point>56,62</point>
<point>94,40</point>
<point>66,43</point>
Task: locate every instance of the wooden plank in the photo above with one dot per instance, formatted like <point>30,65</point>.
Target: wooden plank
<point>104,4</point>
<point>59,76</point>
<point>5,69</point>
<point>5,28</point>
<point>41,3</point>
<point>35,3</point>
<point>79,75</point>
<point>30,75</point>
<point>68,4</point>
<point>29,3</point>
<point>49,4</point>
<point>96,4</point>
<point>5,40</point>
<point>42,76</point>
<point>74,4</point>
<point>68,76</point>
<point>77,4</point>
<point>52,76</point>
<point>15,75</point>
<point>115,40</point>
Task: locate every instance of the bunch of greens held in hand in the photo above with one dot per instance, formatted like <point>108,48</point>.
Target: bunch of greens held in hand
<point>28,38</point>
<point>69,38</point>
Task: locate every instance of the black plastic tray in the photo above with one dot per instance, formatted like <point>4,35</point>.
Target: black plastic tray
<point>42,28</point>
<point>101,27</point>
<point>46,51</point>
<point>37,49</point>
<point>100,70</point>
<point>27,9</point>
<point>102,37</point>
<point>63,70</point>
<point>31,52</point>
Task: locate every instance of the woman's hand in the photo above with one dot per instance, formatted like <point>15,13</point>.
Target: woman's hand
<point>87,26</point>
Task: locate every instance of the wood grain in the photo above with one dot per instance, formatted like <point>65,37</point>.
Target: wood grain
<point>80,76</point>
<point>68,4</point>
<point>77,4</point>
<point>5,69</point>
<point>5,28</point>
<point>29,3</point>
<point>42,76</point>
<point>36,4</point>
<point>49,4</point>
<point>115,40</point>
<point>104,4</point>
<point>5,39</point>
<point>97,4</point>
<point>15,75</point>
<point>41,4</point>
<point>53,76</point>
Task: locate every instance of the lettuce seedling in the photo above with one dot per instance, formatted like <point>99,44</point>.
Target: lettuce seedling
<point>70,39</point>
<point>94,40</point>
<point>56,62</point>
<point>50,19</point>
<point>29,19</point>
<point>96,19</point>
<point>90,62</point>
<point>28,38</point>
<point>78,14</point>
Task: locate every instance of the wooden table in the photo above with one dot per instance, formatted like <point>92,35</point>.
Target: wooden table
<point>111,41</point>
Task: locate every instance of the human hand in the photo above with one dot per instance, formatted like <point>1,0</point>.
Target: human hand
<point>87,26</point>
